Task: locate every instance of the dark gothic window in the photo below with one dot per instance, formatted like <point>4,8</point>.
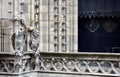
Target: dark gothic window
<point>99,26</point>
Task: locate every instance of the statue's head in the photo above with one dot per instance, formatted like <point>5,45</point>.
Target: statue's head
<point>36,32</point>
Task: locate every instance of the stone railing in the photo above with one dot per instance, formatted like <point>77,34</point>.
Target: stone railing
<point>8,63</point>
<point>14,64</point>
<point>97,64</point>
<point>81,63</point>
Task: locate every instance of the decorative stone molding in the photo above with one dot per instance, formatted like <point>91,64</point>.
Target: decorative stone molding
<point>73,63</point>
<point>94,64</point>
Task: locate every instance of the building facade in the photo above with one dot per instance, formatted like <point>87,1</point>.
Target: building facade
<point>56,21</point>
<point>39,38</point>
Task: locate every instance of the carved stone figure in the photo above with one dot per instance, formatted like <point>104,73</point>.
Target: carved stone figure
<point>20,41</point>
<point>34,40</point>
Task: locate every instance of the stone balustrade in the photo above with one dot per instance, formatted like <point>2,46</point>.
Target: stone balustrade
<point>91,64</point>
<point>100,64</point>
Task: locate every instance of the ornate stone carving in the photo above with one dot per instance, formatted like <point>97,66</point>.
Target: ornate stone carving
<point>20,41</point>
<point>37,61</point>
<point>63,64</point>
<point>26,64</point>
<point>23,23</point>
<point>34,40</point>
<point>80,66</point>
<point>59,65</point>
<point>15,64</point>
<point>8,65</point>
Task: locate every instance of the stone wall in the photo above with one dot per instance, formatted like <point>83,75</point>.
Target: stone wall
<point>58,26</point>
<point>55,19</point>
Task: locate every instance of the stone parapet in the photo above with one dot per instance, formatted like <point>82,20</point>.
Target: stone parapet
<point>62,64</point>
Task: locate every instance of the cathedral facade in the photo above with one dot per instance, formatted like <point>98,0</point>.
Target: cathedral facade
<point>39,38</point>
<point>56,21</point>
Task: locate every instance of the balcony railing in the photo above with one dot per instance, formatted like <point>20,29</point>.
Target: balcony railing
<point>97,64</point>
<point>81,63</point>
